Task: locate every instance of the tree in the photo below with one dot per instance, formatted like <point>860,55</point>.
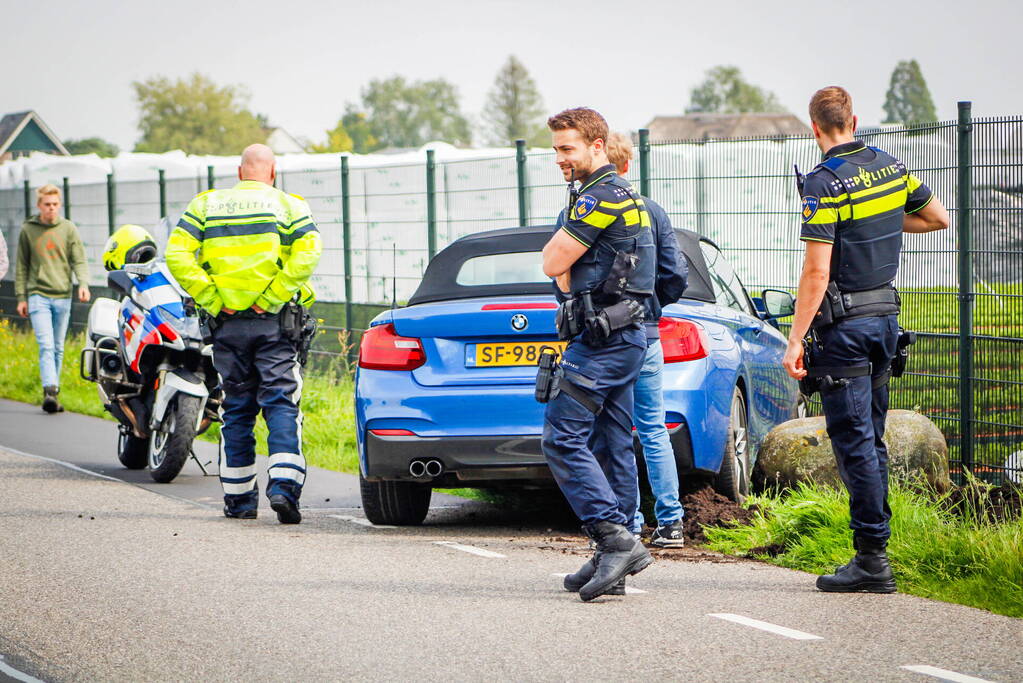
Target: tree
<point>514,108</point>
<point>725,91</point>
<point>404,114</point>
<point>338,140</point>
<point>359,129</point>
<point>195,115</point>
<point>908,100</point>
<point>97,146</point>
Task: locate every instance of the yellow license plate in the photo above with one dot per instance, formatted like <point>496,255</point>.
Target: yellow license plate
<point>513,353</point>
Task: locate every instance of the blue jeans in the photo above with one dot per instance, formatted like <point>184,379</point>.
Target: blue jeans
<point>49,318</point>
<point>648,416</point>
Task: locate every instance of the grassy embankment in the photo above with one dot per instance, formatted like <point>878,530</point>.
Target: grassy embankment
<point>963,557</point>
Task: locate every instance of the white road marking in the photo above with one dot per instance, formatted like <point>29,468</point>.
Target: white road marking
<point>470,549</point>
<point>629,590</point>
<point>943,674</point>
<point>362,521</point>
<point>765,626</point>
<point>15,674</point>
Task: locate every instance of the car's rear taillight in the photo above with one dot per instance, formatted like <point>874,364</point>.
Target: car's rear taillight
<point>682,340</point>
<point>383,349</point>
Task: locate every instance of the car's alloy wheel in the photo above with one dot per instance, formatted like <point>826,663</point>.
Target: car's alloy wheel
<point>733,478</point>
<point>402,503</point>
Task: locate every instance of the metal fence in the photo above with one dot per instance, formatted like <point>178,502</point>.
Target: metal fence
<point>962,288</point>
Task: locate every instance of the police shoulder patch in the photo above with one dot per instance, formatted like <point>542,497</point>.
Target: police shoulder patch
<point>810,204</point>
<point>584,205</point>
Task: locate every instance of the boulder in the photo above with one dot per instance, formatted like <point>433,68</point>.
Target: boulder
<point>800,450</point>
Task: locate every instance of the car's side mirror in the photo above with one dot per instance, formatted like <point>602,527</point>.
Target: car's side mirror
<point>778,303</point>
<point>120,281</point>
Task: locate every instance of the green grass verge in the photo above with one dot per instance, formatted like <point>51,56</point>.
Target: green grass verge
<point>965,559</point>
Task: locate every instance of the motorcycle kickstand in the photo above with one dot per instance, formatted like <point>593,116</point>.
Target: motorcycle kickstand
<point>191,452</point>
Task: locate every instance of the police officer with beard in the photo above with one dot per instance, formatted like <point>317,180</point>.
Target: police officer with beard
<point>603,260</point>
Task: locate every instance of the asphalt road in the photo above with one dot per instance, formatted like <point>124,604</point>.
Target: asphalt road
<point>103,579</point>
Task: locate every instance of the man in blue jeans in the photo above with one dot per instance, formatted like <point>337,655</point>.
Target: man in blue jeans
<point>648,410</point>
<point>49,251</point>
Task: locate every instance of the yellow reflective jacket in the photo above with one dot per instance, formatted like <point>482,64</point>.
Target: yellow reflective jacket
<point>250,245</point>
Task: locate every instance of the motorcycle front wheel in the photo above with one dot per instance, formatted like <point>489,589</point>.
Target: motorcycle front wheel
<point>171,442</point>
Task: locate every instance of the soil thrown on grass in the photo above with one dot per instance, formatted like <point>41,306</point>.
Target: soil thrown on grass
<point>703,507</point>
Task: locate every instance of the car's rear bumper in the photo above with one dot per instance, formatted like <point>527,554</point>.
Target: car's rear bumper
<point>464,459</point>
<point>480,460</point>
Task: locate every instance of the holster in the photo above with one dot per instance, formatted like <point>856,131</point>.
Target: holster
<point>545,372</point>
<point>208,324</point>
<point>298,326</point>
<point>568,320</point>
<point>906,339</point>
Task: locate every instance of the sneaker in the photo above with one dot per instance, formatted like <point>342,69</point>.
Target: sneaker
<point>50,402</point>
<point>669,535</point>
<point>287,512</point>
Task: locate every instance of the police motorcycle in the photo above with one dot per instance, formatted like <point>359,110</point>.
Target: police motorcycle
<point>147,357</point>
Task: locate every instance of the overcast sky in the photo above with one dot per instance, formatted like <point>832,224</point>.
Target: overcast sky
<point>73,62</point>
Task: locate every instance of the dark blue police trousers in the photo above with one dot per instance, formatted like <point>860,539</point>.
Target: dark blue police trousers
<point>855,416</point>
<point>591,456</point>
<point>259,370</point>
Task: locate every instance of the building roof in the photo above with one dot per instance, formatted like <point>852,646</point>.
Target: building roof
<point>25,130</point>
<point>724,126</point>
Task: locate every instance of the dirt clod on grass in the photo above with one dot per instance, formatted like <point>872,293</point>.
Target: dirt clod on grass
<point>706,507</point>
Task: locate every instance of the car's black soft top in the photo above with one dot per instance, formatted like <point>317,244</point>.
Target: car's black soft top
<point>439,282</point>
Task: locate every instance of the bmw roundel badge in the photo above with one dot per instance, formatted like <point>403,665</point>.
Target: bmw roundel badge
<point>519,322</point>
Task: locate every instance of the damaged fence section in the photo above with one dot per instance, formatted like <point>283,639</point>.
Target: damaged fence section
<point>384,216</point>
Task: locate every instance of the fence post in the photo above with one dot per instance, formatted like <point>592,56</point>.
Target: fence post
<point>163,193</point>
<point>111,203</point>
<point>209,177</point>
<point>644,162</point>
<point>67,198</point>
<point>520,169</point>
<point>964,201</point>
<point>346,236</point>
<point>431,204</point>
<point>28,200</point>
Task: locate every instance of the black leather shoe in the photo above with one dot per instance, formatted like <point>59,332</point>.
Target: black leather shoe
<point>618,555</point>
<point>868,571</point>
<point>287,512</point>
<point>240,514</point>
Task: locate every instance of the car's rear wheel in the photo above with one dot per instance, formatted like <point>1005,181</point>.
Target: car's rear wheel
<point>402,503</point>
<point>733,478</point>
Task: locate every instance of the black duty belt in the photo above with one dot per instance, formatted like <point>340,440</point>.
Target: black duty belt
<point>838,305</point>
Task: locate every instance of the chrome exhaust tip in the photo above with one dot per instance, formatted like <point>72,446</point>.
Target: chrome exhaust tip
<point>434,468</point>
<point>417,468</point>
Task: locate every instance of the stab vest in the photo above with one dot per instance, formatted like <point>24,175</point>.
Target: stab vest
<point>592,268</point>
<point>868,236</point>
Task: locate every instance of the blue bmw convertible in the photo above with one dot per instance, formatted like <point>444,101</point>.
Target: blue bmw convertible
<point>444,386</point>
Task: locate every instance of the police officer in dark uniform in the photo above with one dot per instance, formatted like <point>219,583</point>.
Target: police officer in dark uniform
<point>857,203</point>
<point>603,259</point>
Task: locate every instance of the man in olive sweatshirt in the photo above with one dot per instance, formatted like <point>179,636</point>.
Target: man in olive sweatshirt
<point>49,251</point>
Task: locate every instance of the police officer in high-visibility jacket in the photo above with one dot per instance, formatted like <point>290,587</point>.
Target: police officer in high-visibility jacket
<point>857,203</point>
<point>244,254</point>
<point>602,259</point>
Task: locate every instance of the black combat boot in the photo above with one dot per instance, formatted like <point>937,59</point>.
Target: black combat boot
<point>573,582</point>
<point>868,571</point>
<point>618,554</point>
